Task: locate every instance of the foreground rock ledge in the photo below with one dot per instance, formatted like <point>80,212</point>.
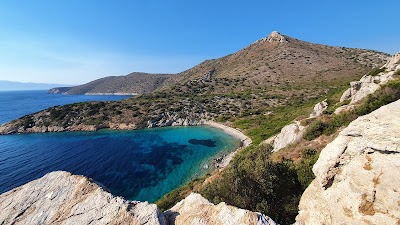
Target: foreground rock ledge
<point>63,198</point>
<point>358,174</point>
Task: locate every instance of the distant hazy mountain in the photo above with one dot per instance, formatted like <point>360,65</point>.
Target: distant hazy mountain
<point>16,86</point>
<point>134,83</point>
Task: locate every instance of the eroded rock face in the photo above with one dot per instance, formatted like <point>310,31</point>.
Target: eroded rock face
<point>63,198</point>
<point>319,108</point>
<point>369,84</point>
<point>289,134</point>
<point>357,175</point>
<point>196,210</point>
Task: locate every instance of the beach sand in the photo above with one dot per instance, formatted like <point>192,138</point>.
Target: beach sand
<point>245,141</point>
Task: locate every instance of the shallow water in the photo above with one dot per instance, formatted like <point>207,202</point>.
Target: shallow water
<point>138,165</point>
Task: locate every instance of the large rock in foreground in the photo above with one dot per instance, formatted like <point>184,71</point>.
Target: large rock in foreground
<point>63,198</point>
<point>196,210</point>
<point>357,175</point>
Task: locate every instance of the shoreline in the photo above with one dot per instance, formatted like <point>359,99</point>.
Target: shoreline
<point>245,141</point>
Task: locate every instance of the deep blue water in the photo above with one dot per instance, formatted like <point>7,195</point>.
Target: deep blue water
<point>14,104</point>
<point>138,165</point>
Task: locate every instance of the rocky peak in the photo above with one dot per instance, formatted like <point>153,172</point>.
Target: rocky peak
<point>275,36</point>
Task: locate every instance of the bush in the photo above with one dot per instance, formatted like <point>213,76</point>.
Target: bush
<point>315,129</point>
<point>376,71</point>
<point>256,183</point>
<point>304,169</point>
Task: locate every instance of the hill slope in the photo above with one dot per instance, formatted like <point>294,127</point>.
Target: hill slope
<point>134,83</point>
<point>276,61</point>
<point>238,89</point>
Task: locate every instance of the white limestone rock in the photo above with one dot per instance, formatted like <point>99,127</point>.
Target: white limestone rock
<point>369,84</point>
<point>196,210</point>
<point>319,108</point>
<point>63,198</point>
<point>357,175</point>
<point>289,134</point>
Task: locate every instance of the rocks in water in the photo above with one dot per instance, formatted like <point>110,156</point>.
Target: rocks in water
<point>63,198</point>
<point>207,142</point>
<point>319,108</point>
<point>357,175</point>
<point>195,209</point>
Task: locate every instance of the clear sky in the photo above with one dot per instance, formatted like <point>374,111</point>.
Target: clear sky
<point>76,41</point>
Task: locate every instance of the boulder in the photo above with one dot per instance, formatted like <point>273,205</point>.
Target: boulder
<point>289,134</point>
<point>319,108</point>
<point>63,198</point>
<point>357,175</point>
<point>196,210</point>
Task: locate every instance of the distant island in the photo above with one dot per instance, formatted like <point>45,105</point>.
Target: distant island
<point>20,86</point>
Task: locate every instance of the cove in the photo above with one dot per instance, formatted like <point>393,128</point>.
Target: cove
<point>138,165</point>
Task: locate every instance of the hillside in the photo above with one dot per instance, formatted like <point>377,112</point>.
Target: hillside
<point>134,83</point>
<point>240,90</point>
<point>274,62</point>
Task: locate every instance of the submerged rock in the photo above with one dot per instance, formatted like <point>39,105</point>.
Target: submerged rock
<point>357,175</point>
<point>196,210</point>
<point>63,198</point>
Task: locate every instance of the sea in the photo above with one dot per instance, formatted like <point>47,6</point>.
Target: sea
<point>137,165</point>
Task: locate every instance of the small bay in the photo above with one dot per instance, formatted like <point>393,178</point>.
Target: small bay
<point>138,165</point>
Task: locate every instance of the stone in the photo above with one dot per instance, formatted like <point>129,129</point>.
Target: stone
<point>369,84</point>
<point>289,134</point>
<point>319,108</point>
<point>62,198</point>
<point>357,175</point>
<point>196,210</point>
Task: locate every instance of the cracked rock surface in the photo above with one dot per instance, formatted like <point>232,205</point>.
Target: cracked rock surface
<point>63,198</point>
<point>358,174</point>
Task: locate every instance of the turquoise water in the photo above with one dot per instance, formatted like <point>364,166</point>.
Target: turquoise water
<point>138,165</point>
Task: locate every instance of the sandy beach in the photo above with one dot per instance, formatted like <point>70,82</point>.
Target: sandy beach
<point>245,141</point>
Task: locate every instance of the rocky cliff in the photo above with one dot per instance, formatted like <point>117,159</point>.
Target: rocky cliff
<point>357,175</point>
<point>197,210</point>
<point>63,198</point>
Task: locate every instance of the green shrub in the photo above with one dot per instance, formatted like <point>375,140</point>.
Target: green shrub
<point>315,129</point>
<point>376,71</point>
<point>304,169</point>
<point>256,183</point>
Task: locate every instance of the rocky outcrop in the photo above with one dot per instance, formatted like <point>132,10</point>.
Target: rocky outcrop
<point>196,210</point>
<point>319,108</point>
<point>275,36</point>
<point>368,84</point>
<point>289,134</point>
<point>357,175</point>
<point>63,198</point>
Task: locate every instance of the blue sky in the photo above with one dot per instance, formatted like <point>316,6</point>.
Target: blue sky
<point>73,42</point>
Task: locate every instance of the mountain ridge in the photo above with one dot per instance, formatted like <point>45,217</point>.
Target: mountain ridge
<point>131,84</point>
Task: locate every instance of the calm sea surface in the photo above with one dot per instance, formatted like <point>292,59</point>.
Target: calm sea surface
<point>138,165</point>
